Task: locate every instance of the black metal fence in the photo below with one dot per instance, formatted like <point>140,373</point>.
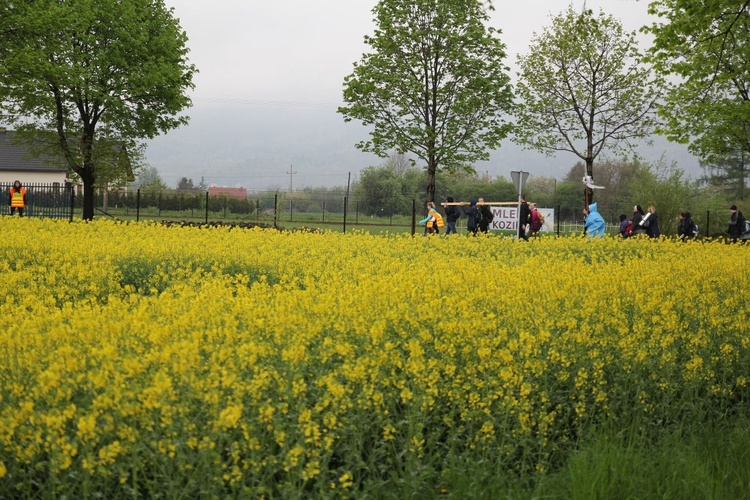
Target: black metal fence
<point>268,208</point>
<point>330,210</point>
<point>53,200</point>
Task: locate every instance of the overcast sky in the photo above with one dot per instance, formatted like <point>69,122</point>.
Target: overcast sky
<point>289,58</point>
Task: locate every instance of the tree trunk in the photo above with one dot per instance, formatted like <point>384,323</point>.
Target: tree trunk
<point>431,170</point>
<point>88,194</point>
<point>430,185</point>
<point>588,193</point>
<point>743,175</point>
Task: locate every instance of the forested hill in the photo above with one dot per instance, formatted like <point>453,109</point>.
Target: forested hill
<point>256,145</point>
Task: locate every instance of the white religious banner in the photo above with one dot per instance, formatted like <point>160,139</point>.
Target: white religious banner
<point>506,219</point>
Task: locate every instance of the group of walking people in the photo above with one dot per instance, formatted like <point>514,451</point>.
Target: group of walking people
<point>641,223</point>
<point>479,217</point>
<point>530,219</point>
<point>648,223</point>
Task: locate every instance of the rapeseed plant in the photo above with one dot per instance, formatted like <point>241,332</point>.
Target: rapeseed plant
<point>269,363</point>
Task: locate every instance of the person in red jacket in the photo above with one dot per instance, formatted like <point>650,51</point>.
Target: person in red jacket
<point>17,198</point>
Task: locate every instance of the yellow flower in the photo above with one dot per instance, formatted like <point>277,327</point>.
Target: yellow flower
<point>229,416</point>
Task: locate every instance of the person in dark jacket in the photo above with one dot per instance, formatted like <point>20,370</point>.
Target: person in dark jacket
<point>736,223</point>
<point>485,215</point>
<point>651,220</point>
<point>686,228</point>
<point>452,213</point>
<point>473,214</point>
<point>638,215</point>
<point>524,216</point>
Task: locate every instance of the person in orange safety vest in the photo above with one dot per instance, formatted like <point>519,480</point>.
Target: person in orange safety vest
<point>433,221</point>
<point>17,198</point>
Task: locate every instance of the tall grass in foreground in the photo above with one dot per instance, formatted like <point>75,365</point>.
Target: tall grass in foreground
<point>214,362</point>
<point>695,460</point>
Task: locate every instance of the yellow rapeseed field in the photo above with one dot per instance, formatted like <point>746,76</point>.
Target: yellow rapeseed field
<point>266,362</point>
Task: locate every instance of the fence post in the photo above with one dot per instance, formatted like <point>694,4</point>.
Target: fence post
<point>346,205</point>
<point>413,217</point>
<point>206,207</point>
<point>291,210</point>
<point>324,211</point>
<point>225,207</point>
<point>138,205</point>
<point>72,199</point>
<point>557,216</point>
<point>257,209</point>
<point>708,221</point>
<point>275,208</point>
<point>356,216</point>
<point>158,206</point>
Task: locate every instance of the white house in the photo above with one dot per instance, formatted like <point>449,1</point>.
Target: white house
<point>17,163</point>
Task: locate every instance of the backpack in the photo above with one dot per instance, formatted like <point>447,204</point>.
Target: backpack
<point>536,221</point>
<point>695,228</point>
<point>485,214</point>
<point>629,229</point>
<point>746,227</point>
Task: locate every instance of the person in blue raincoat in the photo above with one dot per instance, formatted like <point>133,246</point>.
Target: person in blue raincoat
<point>594,223</point>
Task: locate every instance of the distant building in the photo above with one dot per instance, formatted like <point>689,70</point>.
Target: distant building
<point>228,192</point>
<point>17,163</point>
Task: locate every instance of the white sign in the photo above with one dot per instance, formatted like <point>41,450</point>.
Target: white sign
<point>506,219</point>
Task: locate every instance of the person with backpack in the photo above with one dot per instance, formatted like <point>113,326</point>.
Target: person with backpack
<point>434,221</point>
<point>485,215</point>
<point>736,223</point>
<point>452,214</point>
<point>686,228</point>
<point>523,218</point>
<point>472,213</point>
<point>535,219</point>
<point>626,226</point>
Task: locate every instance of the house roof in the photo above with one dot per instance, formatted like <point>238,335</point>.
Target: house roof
<point>14,155</point>
<point>229,192</point>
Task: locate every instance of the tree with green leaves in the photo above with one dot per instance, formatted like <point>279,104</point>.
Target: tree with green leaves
<point>728,173</point>
<point>434,84</point>
<point>380,191</point>
<point>185,184</point>
<point>150,180</point>
<point>583,89</point>
<point>95,77</point>
<point>706,47</point>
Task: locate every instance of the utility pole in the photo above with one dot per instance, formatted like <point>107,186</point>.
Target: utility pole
<point>291,176</point>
